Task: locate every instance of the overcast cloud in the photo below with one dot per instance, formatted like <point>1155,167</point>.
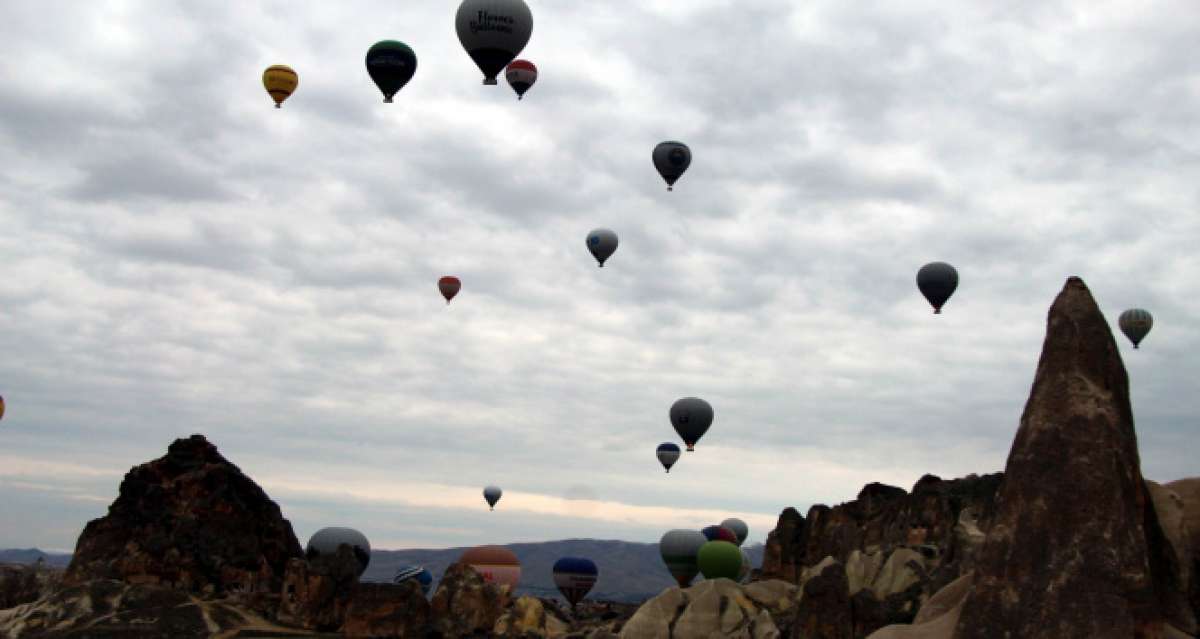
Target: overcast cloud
<point>181,257</point>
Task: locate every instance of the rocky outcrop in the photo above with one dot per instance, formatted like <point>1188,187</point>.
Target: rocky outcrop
<point>110,608</point>
<point>464,604</point>
<point>388,610</point>
<point>317,593</point>
<point>1188,491</point>
<point>824,609</point>
<point>530,617</point>
<point>881,519</point>
<point>712,608</point>
<point>190,520</point>
<point>1075,548</point>
<point>938,616</point>
<point>21,584</point>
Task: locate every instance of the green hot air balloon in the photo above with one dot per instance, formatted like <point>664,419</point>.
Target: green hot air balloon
<point>720,559</point>
<point>391,64</point>
<point>1135,323</point>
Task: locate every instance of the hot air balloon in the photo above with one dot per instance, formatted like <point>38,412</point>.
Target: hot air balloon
<point>325,543</point>
<point>691,417</point>
<point>280,81</point>
<point>415,573</point>
<point>719,533</point>
<point>668,454</point>
<point>492,495</point>
<point>738,527</point>
<point>1135,323</point>
<point>493,32</point>
<point>937,281</point>
<point>391,64</point>
<point>679,549</point>
<point>747,566</point>
<point>718,559</point>
<point>575,577</point>
<point>602,243</point>
<point>671,159</point>
<point>1,408</point>
<point>521,74</point>
<point>496,564</point>
<point>449,286</point>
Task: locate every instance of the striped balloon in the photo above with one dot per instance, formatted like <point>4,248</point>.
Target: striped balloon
<point>1135,323</point>
<point>575,577</point>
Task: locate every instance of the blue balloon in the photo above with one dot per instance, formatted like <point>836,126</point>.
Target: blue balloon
<point>419,573</point>
<point>575,577</point>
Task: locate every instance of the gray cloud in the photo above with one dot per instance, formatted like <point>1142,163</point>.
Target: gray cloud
<point>182,257</point>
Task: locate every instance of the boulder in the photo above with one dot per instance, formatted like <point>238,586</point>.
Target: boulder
<point>862,568</point>
<point>529,617</point>
<point>1075,548</point>
<point>1188,491</point>
<point>189,520</point>
<point>465,604</point>
<point>903,569</point>
<point>715,608</point>
<point>937,617</point>
<point>388,610</point>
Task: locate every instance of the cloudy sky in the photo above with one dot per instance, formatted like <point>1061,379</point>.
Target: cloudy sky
<point>182,258</point>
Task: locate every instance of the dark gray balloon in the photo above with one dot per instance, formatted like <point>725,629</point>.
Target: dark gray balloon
<point>492,495</point>
<point>937,281</point>
<point>691,417</point>
<point>1136,323</point>
<point>325,542</point>
<point>602,243</point>
<point>679,548</point>
<point>671,159</point>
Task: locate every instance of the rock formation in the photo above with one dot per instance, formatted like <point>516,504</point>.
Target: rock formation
<point>882,519</point>
<point>712,608</point>
<point>317,593</point>
<point>23,584</point>
<point>190,520</point>
<point>1075,548</point>
<point>464,604</point>
<point>388,610</point>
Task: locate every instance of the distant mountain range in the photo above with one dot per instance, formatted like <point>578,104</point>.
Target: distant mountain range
<point>31,555</point>
<point>629,572</point>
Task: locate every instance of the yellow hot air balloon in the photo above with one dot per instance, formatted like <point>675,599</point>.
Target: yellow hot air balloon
<point>280,81</point>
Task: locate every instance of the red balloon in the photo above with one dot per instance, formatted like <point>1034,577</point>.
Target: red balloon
<point>449,286</point>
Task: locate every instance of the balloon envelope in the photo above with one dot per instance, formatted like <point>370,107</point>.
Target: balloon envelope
<point>492,495</point>
<point>602,243</point>
<point>738,527</point>
<point>719,533</point>
<point>449,286</point>
<point>668,454</point>
<point>679,549</point>
<point>1,408</point>
<point>1136,323</point>
<point>493,32</point>
<point>671,159</point>
<point>418,573</point>
<point>575,577</point>
<point>521,74</point>
<point>280,82</point>
<point>937,281</point>
<point>718,559</point>
<point>391,64</point>
<point>691,417</point>
<point>496,564</point>
<point>326,541</point>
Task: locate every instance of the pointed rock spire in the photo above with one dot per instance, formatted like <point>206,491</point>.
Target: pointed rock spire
<point>1075,549</point>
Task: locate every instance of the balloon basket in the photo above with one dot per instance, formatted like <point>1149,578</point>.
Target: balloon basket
<point>490,82</point>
